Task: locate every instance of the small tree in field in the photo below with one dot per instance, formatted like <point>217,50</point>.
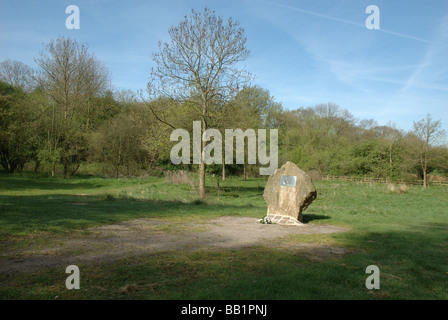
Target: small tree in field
<point>428,132</point>
<point>200,66</point>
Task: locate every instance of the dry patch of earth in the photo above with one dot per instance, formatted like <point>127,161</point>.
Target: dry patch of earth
<point>155,236</point>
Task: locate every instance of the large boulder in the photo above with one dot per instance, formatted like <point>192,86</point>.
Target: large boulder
<point>288,192</point>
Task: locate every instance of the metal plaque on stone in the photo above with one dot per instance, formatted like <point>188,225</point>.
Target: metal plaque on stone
<point>288,181</point>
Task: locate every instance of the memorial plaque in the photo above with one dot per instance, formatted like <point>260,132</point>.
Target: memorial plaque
<point>288,181</point>
<point>288,192</point>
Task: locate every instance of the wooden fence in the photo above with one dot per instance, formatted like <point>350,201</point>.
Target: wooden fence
<point>382,180</point>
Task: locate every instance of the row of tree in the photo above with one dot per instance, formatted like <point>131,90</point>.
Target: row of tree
<point>64,114</point>
<point>328,139</point>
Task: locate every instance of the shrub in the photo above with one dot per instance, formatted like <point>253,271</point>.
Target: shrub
<point>403,188</point>
<point>391,187</point>
<point>179,177</point>
<point>109,197</point>
<point>314,175</point>
<point>198,202</point>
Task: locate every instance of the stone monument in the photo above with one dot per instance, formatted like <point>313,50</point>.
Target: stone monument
<point>288,192</point>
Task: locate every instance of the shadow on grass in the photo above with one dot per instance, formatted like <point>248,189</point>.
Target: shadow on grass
<point>311,217</point>
<point>412,266</point>
<point>236,191</point>
<point>22,183</point>
<point>20,215</point>
<point>412,261</point>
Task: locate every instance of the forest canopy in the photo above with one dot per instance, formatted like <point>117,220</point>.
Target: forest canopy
<point>64,116</point>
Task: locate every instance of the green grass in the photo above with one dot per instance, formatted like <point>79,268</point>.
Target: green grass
<point>35,205</point>
<point>405,235</point>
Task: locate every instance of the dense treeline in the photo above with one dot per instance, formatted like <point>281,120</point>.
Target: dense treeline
<point>65,115</point>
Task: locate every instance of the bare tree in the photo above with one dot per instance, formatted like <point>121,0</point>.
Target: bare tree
<point>125,96</point>
<point>18,74</point>
<point>200,66</point>
<point>428,132</point>
<point>69,76</point>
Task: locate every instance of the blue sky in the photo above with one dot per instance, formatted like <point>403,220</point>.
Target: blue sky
<point>304,52</point>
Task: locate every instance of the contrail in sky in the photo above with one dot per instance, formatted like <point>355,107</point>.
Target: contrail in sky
<point>324,16</point>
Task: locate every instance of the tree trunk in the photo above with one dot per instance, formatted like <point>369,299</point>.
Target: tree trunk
<point>425,174</point>
<point>424,168</point>
<point>223,168</point>
<point>201,186</point>
<point>425,183</point>
<point>70,172</point>
<point>244,171</point>
<point>217,186</point>
<point>53,169</point>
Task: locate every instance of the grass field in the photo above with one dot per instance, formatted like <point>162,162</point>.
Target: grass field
<point>405,235</point>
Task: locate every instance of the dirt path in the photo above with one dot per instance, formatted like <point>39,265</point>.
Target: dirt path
<point>147,236</point>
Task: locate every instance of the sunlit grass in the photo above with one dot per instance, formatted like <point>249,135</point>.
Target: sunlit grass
<point>405,235</point>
